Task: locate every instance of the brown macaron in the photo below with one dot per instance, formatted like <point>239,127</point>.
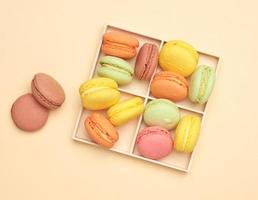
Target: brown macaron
<point>28,114</point>
<point>169,85</point>
<point>47,91</point>
<point>119,44</point>
<point>146,61</point>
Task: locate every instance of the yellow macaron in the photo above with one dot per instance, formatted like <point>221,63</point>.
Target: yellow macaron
<point>187,133</point>
<point>178,56</point>
<point>126,110</point>
<point>99,93</point>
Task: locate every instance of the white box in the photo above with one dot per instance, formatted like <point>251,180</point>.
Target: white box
<point>128,132</point>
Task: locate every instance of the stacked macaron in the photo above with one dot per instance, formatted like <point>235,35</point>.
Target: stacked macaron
<point>30,111</point>
<point>177,79</point>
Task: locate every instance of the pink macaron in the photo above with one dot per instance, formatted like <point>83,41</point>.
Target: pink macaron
<point>154,142</point>
<point>28,114</point>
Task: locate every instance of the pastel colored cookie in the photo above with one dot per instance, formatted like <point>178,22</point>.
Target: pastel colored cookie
<point>169,85</point>
<point>125,111</point>
<point>201,84</point>
<point>187,133</point>
<point>47,91</point>
<point>146,61</point>
<point>161,112</point>
<point>99,93</point>
<point>28,114</point>
<point>154,142</point>
<point>101,130</point>
<point>178,56</point>
<point>119,44</point>
<point>117,69</point>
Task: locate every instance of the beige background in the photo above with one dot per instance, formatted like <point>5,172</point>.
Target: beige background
<point>60,38</point>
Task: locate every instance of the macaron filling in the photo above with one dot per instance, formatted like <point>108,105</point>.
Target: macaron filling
<point>94,89</point>
<point>171,77</point>
<point>113,111</point>
<point>205,76</point>
<point>98,82</point>
<point>123,47</point>
<point>39,95</point>
<point>116,68</point>
<point>149,61</point>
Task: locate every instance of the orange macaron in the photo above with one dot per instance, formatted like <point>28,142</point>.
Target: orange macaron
<point>119,44</point>
<point>100,130</point>
<point>169,85</point>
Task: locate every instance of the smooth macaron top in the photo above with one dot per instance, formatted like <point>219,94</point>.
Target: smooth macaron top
<point>154,142</point>
<point>116,68</point>
<point>146,61</point>
<point>101,130</point>
<point>161,112</point>
<point>201,84</point>
<point>28,114</point>
<point>178,56</point>
<point>169,85</point>
<point>47,91</point>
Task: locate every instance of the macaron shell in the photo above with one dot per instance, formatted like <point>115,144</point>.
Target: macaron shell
<point>119,44</point>
<point>120,51</point>
<point>121,38</point>
<point>161,112</point>
<point>125,111</point>
<point>179,57</point>
<point>169,85</point>
<point>99,93</point>
<point>28,114</point>
<point>117,62</point>
<point>100,98</point>
<point>97,82</point>
<point>154,143</point>
<point>146,61</point>
<point>101,130</point>
<point>116,68</point>
<point>126,115</point>
<point>201,84</point>
<point>47,91</point>
<point>187,133</point>
<point>120,77</point>
<point>189,47</point>
<point>41,99</point>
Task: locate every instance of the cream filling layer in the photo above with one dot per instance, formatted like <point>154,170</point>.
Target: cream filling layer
<point>117,68</point>
<point>204,80</point>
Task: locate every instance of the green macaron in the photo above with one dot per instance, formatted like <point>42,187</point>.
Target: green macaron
<point>161,112</point>
<point>201,84</point>
<point>117,69</point>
